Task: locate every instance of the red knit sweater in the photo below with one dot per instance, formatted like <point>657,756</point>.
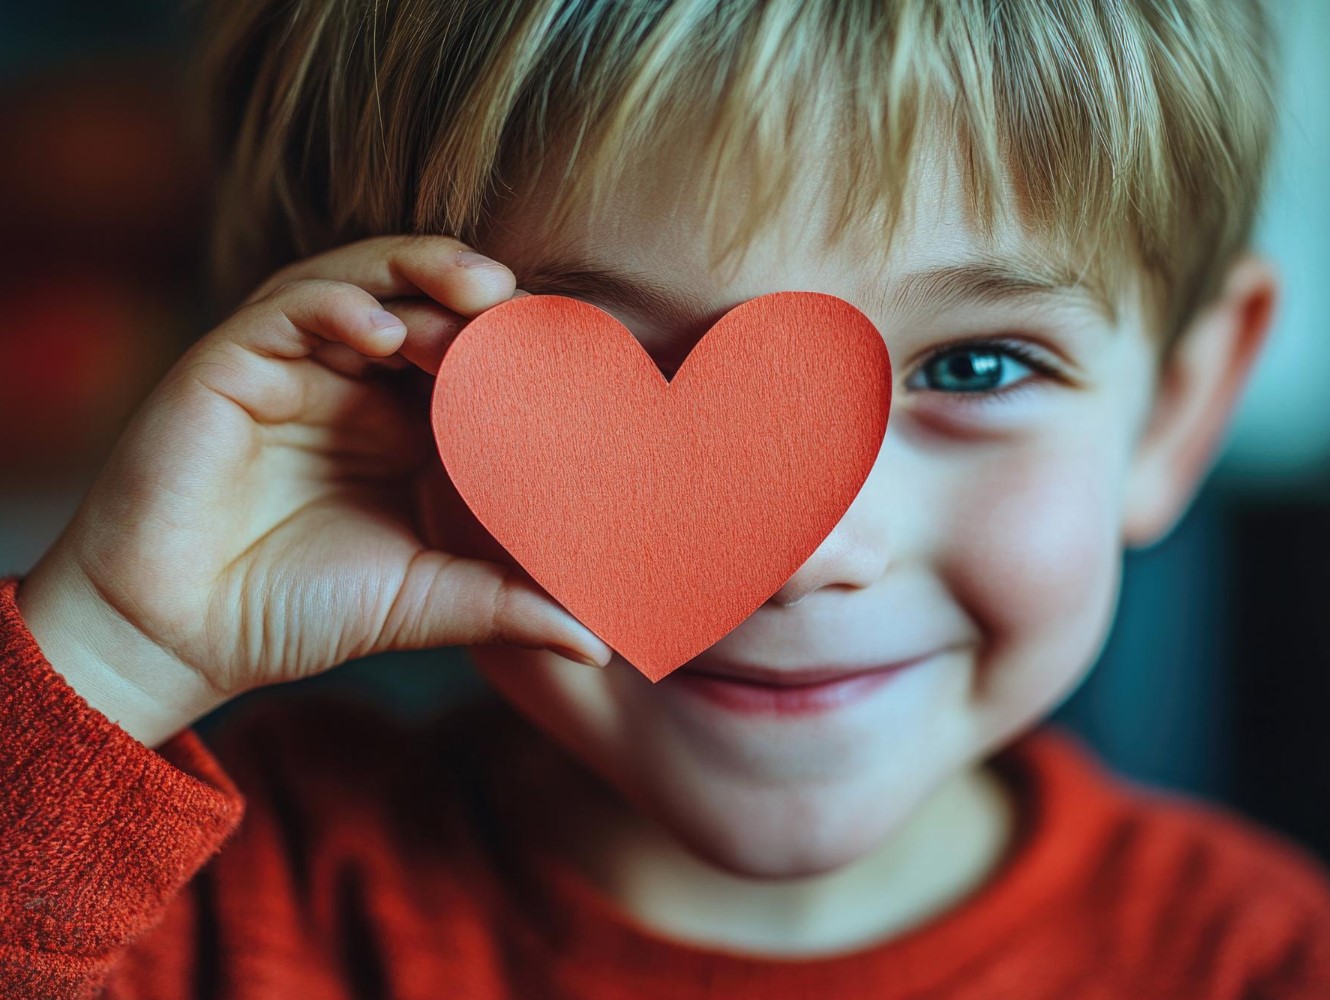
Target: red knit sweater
<point>323,851</point>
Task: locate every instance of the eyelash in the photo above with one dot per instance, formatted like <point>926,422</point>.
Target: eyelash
<point>1014,349</point>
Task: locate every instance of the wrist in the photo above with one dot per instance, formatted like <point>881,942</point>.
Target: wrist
<point>115,668</point>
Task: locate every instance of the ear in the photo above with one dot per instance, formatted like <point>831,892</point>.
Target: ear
<point>1196,393</point>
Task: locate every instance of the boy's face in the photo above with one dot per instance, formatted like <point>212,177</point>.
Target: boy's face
<point>984,547</point>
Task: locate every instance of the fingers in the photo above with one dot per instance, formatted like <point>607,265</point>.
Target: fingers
<point>290,322</point>
<point>248,359</point>
<point>448,600</point>
<point>430,329</point>
<point>439,267</point>
<point>349,362</point>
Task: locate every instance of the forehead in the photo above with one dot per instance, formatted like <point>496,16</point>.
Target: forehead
<point>647,242</point>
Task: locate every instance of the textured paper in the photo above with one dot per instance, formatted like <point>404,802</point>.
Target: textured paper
<point>662,513</point>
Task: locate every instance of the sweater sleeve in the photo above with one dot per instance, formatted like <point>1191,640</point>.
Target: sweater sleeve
<point>98,832</point>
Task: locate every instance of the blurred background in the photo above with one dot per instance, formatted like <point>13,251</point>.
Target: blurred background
<point>1216,679</point>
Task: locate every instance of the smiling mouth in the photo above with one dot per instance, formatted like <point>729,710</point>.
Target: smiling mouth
<point>752,689</point>
<point>800,677</point>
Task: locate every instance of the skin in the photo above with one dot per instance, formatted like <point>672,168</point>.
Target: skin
<point>988,535</point>
<point>254,487</point>
<point>256,522</point>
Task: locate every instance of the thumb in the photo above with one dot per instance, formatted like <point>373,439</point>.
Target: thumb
<point>448,600</point>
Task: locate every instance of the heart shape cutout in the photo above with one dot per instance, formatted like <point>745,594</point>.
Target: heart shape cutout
<point>662,513</point>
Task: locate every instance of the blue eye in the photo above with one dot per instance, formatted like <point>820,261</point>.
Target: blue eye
<point>975,368</point>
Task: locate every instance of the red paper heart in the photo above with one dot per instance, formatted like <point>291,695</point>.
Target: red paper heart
<point>660,513</point>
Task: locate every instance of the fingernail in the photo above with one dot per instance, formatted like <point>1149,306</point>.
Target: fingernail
<point>469,258</point>
<point>573,654</point>
<point>384,320</point>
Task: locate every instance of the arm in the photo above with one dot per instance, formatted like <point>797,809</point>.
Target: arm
<point>98,833</point>
<point>259,521</point>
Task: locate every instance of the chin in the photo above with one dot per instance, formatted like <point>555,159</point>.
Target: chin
<point>773,832</point>
<point>747,817</point>
<point>783,852</point>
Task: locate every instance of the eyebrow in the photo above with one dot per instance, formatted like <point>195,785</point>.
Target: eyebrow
<point>634,291</point>
<point>980,281</point>
<point>995,281</point>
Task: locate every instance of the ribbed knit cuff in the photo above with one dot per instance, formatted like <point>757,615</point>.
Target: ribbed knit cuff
<point>97,831</point>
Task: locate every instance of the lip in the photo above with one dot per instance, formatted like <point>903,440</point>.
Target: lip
<point>751,689</point>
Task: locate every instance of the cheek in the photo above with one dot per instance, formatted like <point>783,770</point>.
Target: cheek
<point>568,701</point>
<point>446,522</point>
<point>1034,559</point>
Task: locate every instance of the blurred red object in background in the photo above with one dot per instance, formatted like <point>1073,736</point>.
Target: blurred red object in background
<point>101,163</point>
<point>78,352</point>
<point>103,209</point>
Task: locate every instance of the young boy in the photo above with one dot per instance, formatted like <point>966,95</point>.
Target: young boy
<point>1044,208</point>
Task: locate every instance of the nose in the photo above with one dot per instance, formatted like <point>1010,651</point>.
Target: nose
<point>850,557</point>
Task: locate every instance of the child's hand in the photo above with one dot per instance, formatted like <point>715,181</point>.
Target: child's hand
<point>257,521</point>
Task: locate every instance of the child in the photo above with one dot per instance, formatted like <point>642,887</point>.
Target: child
<point>1044,208</point>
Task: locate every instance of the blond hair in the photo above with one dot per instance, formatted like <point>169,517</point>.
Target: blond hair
<point>1136,128</point>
